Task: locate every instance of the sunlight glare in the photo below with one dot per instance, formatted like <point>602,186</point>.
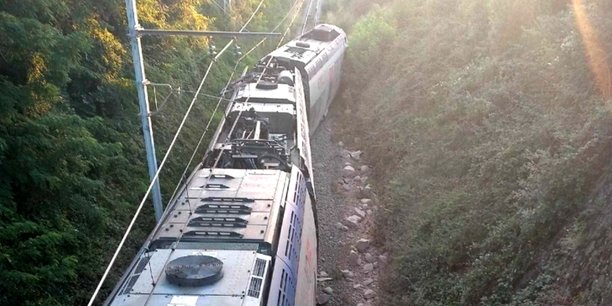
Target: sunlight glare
<point>596,55</point>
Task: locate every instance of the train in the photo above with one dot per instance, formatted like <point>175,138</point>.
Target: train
<point>242,230</point>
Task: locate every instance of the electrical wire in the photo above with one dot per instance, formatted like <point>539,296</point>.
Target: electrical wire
<point>252,15</point>
<point>258,80</point>
<point>306,17</point>
<point>182,231</point>
<point>179,89</point>
<point>144,199</point>
<point>140,206</point>
<point>221,98</point>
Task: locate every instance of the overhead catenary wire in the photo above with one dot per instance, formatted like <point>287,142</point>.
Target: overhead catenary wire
<point>252,16</point>
<point>212,116</point>
<point>172,90</point>
<point>306,17</point>
<point>217,4</point>
<point>182,231</point>
<point>240,112</point>
<point>258,80</point>
<point>247,99</point>
<point>289,27</point>
<point>221,98</point>
<point>144,199</point>
<point>157,107</point>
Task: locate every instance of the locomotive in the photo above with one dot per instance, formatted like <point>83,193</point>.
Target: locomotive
<point>242,230</point>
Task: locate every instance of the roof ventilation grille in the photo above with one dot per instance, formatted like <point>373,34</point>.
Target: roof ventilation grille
<point>266,85</point>
<point>255,287</point>
<point>257,278</point>
<point>302,44</point>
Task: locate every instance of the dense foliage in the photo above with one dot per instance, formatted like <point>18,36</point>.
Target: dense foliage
<point>490,125</point>
<point>71,156</point>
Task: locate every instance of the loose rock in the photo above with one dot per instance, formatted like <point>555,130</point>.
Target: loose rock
<point>367,281</point>
<point>345,154</point>
<point>353,221</point>
<point>328,290</point>
<point>353,258</point>
<point>383,258</point>
<point>369,294</point>
<point>365,201</point>
<point>362,245</point>
<point>356,155</point>
<point>364,168</point>
<point>348,171</point>
<point>341,226</point>
<point>322,299</point>
<point>367,268</point>
<point>369,258</point>
<point>347,273</point>
<point>323,274</point>
<point>365,191</point>
<point>360,212</point>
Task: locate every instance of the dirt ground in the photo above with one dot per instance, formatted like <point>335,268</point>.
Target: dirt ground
<point>348,263</point>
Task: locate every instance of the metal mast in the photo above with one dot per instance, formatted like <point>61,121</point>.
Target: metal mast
<point>143,101</point>
<point>227,6</point>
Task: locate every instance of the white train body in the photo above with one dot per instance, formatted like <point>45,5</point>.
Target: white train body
<point>318,54</point>
<point>247,214</point>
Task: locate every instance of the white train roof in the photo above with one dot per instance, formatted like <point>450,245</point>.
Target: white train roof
<point>309,45</point>
<point>282,92</point>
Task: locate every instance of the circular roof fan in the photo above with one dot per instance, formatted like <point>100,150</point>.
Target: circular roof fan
<point>194,270</point>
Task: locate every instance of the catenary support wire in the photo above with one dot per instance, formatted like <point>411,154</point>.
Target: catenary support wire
<point>259,79</point>
<point>221,98</point>
<point>156,176</point>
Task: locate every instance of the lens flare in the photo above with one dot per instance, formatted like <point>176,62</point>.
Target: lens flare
<point>596,54</point>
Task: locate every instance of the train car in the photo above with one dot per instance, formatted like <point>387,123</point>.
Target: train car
<point>318,55</point>
<point>242,230</point>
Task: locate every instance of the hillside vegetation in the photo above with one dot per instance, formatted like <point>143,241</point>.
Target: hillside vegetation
<point>489,124</point>
<point>71,156</point>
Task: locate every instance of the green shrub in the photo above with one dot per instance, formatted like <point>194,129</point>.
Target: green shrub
<point>490,138</point>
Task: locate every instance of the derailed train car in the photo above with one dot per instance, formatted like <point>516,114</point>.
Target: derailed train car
<point>242,230</point>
